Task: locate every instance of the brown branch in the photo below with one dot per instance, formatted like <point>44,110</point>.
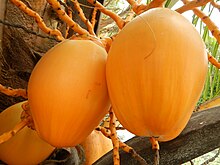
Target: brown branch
<point>63,16</point>
<point>13,92</point>
<point>191,5</point>
<point>215,4</point>
<point>25,29</point>
<point>83,17</point>
<point>38,19</point>
<point>213,61</point>
<point>119,21</point>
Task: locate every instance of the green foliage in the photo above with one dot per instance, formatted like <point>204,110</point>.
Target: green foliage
<point>170,3</point>
<point>212,84</point>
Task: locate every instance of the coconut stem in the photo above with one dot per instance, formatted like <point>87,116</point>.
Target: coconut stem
<point>215,4</point>
<point>213,28</point>
<point>26,120</point>
<point>63,16</point>
<point>26,115</point>
<point>155,147</point>
<point>140,8</point>
<point>13,92</point>
<point>204,18</point>
<point>213,61</point>
<point>70,14</point>
<point>189,5</point>
<point>38,19</point>
<point>93,19</point>
<point>123,146</point>
<point>83,17</point>
<point>119,21</point>
<point>8,135</point>
<point>114,137</point>
<point>107,42</point>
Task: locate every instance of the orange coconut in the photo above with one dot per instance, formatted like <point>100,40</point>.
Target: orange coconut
<point>67,92</point>
<point>25,147</point>
<point>156,70</point>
